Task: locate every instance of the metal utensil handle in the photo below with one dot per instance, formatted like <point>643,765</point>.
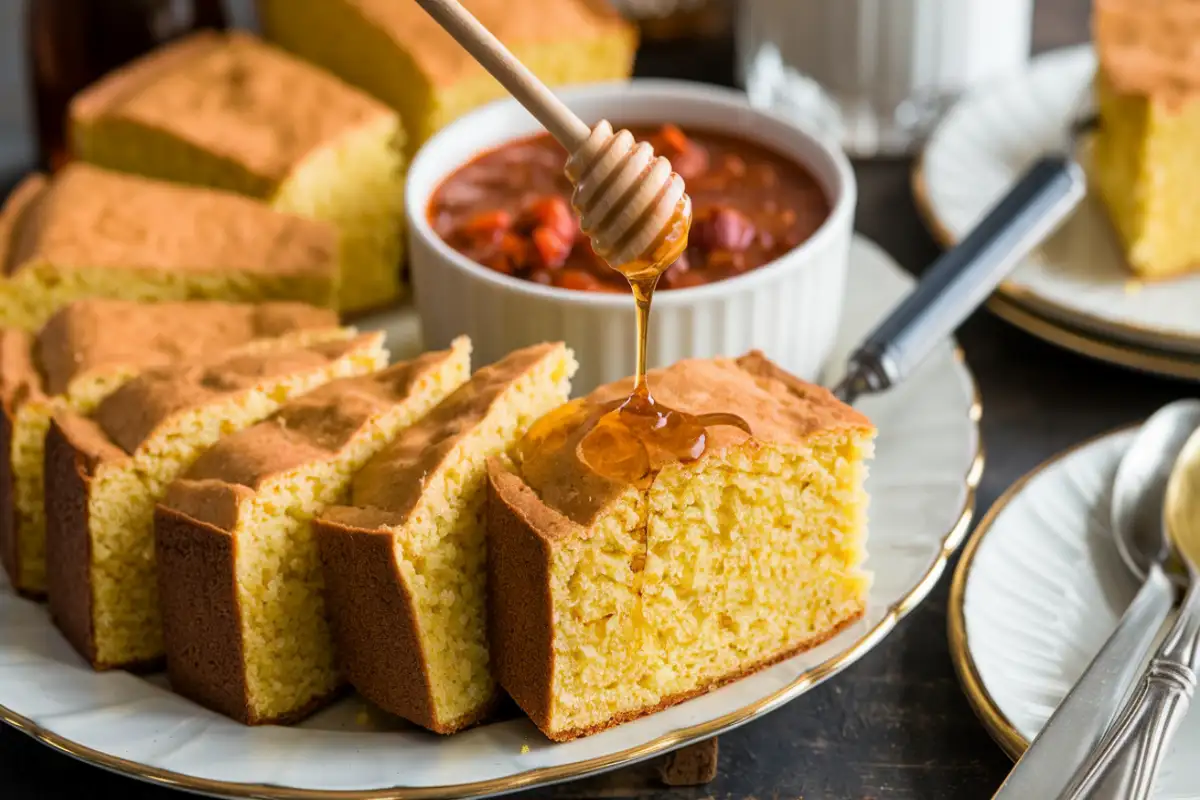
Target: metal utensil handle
<point>964,276</point>
<point>1126,762</point>
<point>1083,715</point>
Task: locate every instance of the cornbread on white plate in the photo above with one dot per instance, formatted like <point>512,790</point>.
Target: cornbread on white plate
<point>395,51</point>
<point>85,351</point>
<point>231,112</point>
<point>89,232</point>
<point>404,559</point>
<point>105,473</point>
<point>608,602</point>
<point>241,587</point>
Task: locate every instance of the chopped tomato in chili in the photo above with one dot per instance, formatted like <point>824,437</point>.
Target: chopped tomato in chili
<point>510,210</point>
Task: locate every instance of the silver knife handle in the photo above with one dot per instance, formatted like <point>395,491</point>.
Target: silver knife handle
<point>1125,764</point>
<point>964,276</point>
<point>1083,715</point>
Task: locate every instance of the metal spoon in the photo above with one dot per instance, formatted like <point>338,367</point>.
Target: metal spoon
<point>1080,720</point>
<point>1126,762</point>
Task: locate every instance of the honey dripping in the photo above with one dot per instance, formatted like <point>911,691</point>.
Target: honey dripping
<point>628,440</point>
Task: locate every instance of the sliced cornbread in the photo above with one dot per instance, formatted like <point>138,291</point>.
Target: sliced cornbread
<point>106,472</point>
<point>231,112</point>
<point>87,350</point>
<point>241,587</point>
<point>90,232</point>
<point>607,602</point>
<point>398,53</point>
<point>1146,153</point>
<point>404,561</point>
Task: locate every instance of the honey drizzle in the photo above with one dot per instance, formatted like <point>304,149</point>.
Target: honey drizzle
<point>628,440</point>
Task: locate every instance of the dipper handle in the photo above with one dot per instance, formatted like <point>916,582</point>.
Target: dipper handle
<point>529,91</point>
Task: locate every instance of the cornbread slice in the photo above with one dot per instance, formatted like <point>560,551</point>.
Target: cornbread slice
<point>1146,153</point>
<point>231,112</point>
<point>399,54</point>
<point>404,561</point>
<point>240,580</point>
<point>106,472</point>
<point>94,233</point>
<point>608,602</point>
<point>87,350</point>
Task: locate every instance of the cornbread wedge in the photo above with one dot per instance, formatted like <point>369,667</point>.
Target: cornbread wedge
<point>404,561</point>
<point>399,54</point>
<point>231,112</point>
<point>608,602</point>
<point>106,472</point>
<point>1146,152</point>
<point>240,580</point>
<point>82,355</point>
<point>89,232</point>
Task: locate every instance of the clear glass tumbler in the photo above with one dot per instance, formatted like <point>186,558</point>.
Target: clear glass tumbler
<point>875,74</point>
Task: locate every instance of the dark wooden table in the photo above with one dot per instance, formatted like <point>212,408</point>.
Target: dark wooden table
<point>895,725</point>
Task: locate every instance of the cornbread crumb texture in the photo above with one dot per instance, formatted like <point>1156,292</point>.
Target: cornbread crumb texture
<point>404,562</point>
<point>1145,162</point>
<point>231,112</point>
<point>91,232</point>
<point>84,352</point>
<point>106,473</point>
<point>607,603</point>
<point>242,591</point>
<point>398,53</point>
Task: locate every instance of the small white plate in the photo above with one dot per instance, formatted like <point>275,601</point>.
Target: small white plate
<point>1037,592</point>
<point>1079,276</point>
<point>922,487</point>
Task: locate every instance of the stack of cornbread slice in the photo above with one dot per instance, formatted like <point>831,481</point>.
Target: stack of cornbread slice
<point>608,602</point>
<point>405,559</point>
<point>1146,154</point>
<point>395,51</point>
<point>230,112</point>
<point>106,471</point>
<point>242,591</point>
<point>89,232</point>
<point>87,350</point>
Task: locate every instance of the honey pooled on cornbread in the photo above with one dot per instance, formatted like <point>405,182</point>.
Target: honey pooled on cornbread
<point>609,600</point>
<point>242,592</point>
<point>404,559</point>
<point>90,232</point>
<point>395,51</point>
<point>1146,153</point>
<point>231,112</point>
<point>105,473</point>
<point>84,353</point>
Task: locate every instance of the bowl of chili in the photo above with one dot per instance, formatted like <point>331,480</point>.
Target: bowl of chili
<point>496,250</point>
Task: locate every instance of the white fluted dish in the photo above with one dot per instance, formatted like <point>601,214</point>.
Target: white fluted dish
<point>922,487</point>
<point>1038,591</point>
<point>790,308</point>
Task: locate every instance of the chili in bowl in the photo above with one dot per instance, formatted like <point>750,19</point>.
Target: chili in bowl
<point>496,250</point>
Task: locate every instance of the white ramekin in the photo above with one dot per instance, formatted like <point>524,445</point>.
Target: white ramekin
<point>790,309</point>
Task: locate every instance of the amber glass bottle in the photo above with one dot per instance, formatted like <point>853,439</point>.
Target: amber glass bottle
<point>73,42</point>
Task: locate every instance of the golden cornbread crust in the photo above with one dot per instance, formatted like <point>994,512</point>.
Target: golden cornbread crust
<point>197,564</point>
<point>528,524</point>
<point>19,380</point>
<point>375,630</point>
<point>233,95</point>
<point>204,630</point>
<point>12,215</point>
<point>1147,48</point>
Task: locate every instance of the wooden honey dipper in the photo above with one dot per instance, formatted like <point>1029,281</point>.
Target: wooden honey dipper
<point>632,205</point>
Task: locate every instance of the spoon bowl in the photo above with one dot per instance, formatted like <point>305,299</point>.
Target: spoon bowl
<point>1140,488</point>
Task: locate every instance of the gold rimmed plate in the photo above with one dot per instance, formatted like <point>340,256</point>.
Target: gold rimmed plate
<point>922,486</point>
<point>1079,277</point>
<point>1039,588</point>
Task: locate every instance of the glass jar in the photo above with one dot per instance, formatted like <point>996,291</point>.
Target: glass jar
<point>875,74</point>
<point>71,43</point>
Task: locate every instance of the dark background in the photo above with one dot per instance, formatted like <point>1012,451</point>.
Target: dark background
<point>896,724</point>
